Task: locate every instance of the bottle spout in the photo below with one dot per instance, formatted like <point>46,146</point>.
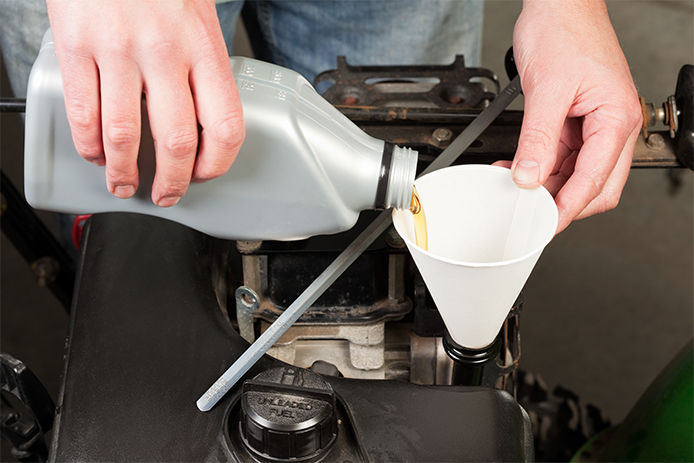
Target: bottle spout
<point>398,168</point>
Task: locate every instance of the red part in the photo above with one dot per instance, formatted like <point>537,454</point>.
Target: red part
<point>77,227</point>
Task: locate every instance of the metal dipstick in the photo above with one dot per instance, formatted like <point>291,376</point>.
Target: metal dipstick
<point>266,340</point>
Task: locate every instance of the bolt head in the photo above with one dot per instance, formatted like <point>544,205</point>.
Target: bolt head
<point>655,141</point>
<point>442,135</point>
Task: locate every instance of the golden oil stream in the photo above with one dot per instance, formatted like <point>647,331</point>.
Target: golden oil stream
<point>420,221</point>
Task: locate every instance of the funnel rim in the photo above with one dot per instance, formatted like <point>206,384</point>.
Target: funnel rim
<point>501,263</point>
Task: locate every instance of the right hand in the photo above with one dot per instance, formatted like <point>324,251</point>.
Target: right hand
<point>582,115</point>
<point>112,52</point>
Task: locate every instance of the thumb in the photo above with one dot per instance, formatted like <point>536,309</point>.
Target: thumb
<point>543,119</point>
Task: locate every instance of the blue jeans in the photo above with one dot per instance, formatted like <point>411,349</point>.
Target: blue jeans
<point>305,35</point>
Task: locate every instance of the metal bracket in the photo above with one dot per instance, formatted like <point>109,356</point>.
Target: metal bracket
<point>247,302</point>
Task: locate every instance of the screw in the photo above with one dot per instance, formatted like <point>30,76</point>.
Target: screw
<point>442,135</point>
<point>655,141</point>
<point>247,299</point>
<point>46,270</point>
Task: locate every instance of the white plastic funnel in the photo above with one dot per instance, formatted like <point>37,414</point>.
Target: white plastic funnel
<point>485,236</point>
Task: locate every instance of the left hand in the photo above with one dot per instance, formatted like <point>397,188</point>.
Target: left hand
<point>582,116</point>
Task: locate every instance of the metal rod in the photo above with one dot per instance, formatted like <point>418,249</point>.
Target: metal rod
<point>365,115</point>
<point>645,155</point>
<point>348,256</point>
<point>12,105</point>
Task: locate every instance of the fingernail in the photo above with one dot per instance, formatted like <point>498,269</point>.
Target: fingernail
<point>526,172</point>
<point>168,201</point>
<point>124,191</point>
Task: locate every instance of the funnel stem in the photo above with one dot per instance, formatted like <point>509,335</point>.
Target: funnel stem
<point>470,365</point>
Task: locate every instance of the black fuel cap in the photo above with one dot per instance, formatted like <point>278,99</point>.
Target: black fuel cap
<point>288,413</point>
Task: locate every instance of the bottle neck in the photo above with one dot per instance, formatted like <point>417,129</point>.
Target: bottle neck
<point>396,177</point>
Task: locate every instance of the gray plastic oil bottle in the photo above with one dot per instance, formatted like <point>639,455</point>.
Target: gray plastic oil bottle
<point>304,168</point>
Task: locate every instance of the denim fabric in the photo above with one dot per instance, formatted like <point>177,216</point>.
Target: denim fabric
<point>305,35</point>
<point>23,24</point>
<point>228,14</point>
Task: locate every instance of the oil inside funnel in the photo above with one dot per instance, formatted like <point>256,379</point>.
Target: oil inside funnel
<point>485,235</point>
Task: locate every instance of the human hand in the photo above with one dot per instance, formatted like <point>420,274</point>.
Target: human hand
<point>112,52</point>
<point>582,116</point>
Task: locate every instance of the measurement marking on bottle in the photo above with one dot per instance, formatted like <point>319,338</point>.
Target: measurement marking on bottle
<point>248,69</point>
<point>246,85</point>
<point>277,76</point>
<point>281,95</point>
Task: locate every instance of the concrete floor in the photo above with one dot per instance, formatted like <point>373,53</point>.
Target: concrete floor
<point>611,300</point>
